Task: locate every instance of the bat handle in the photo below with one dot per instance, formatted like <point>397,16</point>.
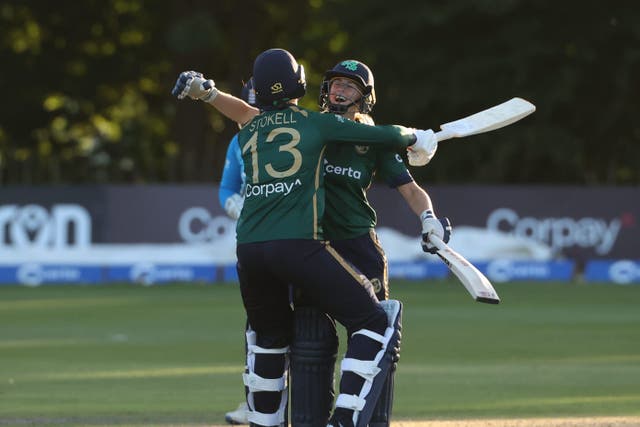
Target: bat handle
<point>444,135</point>
<point>437,242</point>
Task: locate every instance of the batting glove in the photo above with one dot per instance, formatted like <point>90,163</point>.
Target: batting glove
<point>233,206</point>
<point>420,153</point>
<point>195,86</point>
<point>436,227</point>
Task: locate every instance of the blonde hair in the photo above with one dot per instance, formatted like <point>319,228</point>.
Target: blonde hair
<point>364,118</point>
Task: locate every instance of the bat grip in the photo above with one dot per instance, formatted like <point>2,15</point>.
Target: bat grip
<point>444,135</point>
<point>437,242</point>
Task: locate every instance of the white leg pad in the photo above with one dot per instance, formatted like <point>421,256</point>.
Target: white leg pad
<point>256,383</point>
<point>350,401</point>
<point>367,369</point>
<point>262,419</point>
<point>370,369</point>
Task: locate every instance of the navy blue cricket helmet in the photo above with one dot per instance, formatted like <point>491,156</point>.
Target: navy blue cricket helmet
<point>359,73</point>
<point>278,78</point>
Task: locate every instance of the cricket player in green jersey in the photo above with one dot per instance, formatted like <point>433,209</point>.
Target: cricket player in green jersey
<point>349,221</point>
<point>277,247</point>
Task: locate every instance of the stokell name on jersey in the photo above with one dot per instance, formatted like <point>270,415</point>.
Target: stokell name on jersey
<point>280,118</point>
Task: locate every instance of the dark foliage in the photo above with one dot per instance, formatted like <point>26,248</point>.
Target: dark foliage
<point>85,85</point>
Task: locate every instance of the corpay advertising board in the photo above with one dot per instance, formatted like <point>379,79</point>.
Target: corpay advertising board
<point>576,224</point>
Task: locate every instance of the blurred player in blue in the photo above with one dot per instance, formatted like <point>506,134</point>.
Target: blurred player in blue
<point>231,197</point>
<point>232,184</point>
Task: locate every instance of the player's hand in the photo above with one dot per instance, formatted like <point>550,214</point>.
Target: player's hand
<point>233,206</point>
<point>420,153</point>
<point>440,227</point>
<point>195,86</point>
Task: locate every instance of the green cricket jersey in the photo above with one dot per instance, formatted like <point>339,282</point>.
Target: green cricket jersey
<point>283,154</point>
<point>349,171</point>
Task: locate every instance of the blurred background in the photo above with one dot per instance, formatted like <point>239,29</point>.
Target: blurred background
<point>95,154</point>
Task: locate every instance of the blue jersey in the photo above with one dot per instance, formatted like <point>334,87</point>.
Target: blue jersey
<point>233,177</point>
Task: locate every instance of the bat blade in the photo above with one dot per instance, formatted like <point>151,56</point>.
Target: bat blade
<point>476,283</point>
<point>487,120</point>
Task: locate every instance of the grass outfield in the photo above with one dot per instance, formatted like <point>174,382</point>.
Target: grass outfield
<point>172,355</point>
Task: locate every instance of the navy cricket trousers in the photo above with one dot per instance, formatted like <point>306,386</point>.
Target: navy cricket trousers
<point>366,254</point>
<point>266,269</point>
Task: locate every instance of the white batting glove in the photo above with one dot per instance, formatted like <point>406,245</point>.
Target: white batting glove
<point>195,86</point>
<point>436,227</point>
<point>420,153</point>
<point>233,206</point>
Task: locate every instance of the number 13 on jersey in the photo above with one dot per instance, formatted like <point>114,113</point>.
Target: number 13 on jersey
<point>286,149</point>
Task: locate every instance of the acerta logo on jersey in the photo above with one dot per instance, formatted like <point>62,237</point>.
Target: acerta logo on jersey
<point>266,190</point>
<point>341,171</point>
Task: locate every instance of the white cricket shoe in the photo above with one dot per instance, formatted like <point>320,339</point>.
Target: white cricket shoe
<point>239,416</point>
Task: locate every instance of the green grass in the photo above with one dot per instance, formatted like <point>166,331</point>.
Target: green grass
<point>125,355</point>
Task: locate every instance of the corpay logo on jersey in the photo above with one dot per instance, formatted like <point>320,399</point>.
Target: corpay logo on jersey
<point>267,190</point>
<point>32,226</point>
<point>558,233</point>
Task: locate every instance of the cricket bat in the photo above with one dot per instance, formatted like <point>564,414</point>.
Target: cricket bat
<point>487,120</point>
<point>473,280</point>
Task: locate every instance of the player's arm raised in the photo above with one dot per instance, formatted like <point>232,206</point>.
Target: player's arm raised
<point>194,85</point>
<point>234,108</point>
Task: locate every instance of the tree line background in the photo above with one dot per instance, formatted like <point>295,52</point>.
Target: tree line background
<point>85,86</point>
